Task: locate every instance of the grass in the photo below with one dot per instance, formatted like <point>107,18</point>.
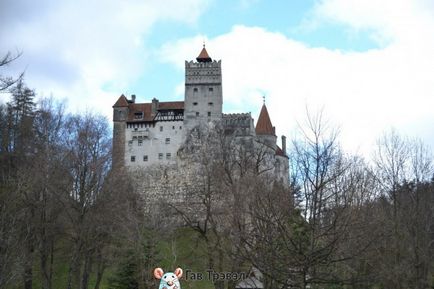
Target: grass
<point>182,249</point>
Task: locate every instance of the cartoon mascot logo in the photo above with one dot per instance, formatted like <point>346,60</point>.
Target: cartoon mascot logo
<point>169,280</point>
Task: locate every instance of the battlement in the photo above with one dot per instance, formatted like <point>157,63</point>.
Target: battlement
<point>237,119</point>
<point>237,115</point>
<point>240,124</point>
<point>195,64</point>
<point>203,72</point>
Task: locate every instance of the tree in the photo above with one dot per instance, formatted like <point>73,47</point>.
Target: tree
<point>87,160</point>
<point>404,169</point>
<point>7,82</point>
<point>212,186</point>
<point>46,171</point>
<point>58,193</point>
<point>311,236</point>
<point>22,109</point>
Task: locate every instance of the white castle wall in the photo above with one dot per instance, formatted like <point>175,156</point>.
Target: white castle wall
<point>153,143</point>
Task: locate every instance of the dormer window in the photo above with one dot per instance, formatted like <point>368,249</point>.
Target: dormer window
<point>138,115</point>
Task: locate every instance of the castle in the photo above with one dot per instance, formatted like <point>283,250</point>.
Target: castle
<point>146,135</point>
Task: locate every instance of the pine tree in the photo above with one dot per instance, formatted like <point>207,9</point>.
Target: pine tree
<point>126,275</point>
<point>21,110</point>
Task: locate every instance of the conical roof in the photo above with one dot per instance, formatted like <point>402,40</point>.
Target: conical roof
<point>203,56</point>
<point>264,126</point>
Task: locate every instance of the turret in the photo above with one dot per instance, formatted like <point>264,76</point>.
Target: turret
<point>120,114</point>
<point>265,131</point>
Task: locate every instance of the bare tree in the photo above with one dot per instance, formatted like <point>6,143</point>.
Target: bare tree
<point>88,161</point>
<point>311,238</point>
<point>6,81</point>
<point>404,168</point>
<point>47,172</point>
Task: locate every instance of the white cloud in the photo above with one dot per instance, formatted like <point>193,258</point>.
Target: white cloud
<point>388,20</point>
<point>364,93</point>
<point>86,51</point>
<point>90,51</point>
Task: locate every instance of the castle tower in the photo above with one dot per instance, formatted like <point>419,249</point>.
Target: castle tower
<point>265,131</point>
<point>120,114</point>
<point>203,91</point>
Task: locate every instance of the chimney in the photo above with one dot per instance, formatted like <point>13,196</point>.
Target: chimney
<point>284,144</point>
<point>154,106</point>
<point>133,98</point>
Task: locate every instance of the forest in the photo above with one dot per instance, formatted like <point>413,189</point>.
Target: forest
<point>68,219</point>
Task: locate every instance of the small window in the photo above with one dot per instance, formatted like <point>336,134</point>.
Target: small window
<point>167,140</point>
<point>210,89</point>
<point>180,127</point>
<point>160,156</point>
<point>134,137</point>
<point>173,127</point>
<point>209,113</point>
<point>145,158</point>
<point>133,159</point>
<point>140,142</point>
<point>195,89</point>
<point>161,128</point>
<point>210,103</point>
<point>194,103</point>
<point>197,113</point>
<point>168,156</point>
<point>130,142</point>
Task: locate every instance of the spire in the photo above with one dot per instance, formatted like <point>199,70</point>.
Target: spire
<point>264,126</point>
<point>203,56</point>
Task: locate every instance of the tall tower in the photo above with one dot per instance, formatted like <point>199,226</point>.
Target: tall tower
<point>120,113</point>
<point>203,91</point>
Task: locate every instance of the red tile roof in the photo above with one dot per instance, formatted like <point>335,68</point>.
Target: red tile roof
<point>203,56</point>
<point>146,109</point>
<point>264,126</point>
<point>280,152</point>
<point>122,101</point>
<point>171,105</point>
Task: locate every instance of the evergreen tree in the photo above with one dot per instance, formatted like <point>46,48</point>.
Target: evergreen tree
<point>126,275</point>
<point>21,110</point>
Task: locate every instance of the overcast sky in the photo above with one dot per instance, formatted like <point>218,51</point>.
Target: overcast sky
<point>368,64</point>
